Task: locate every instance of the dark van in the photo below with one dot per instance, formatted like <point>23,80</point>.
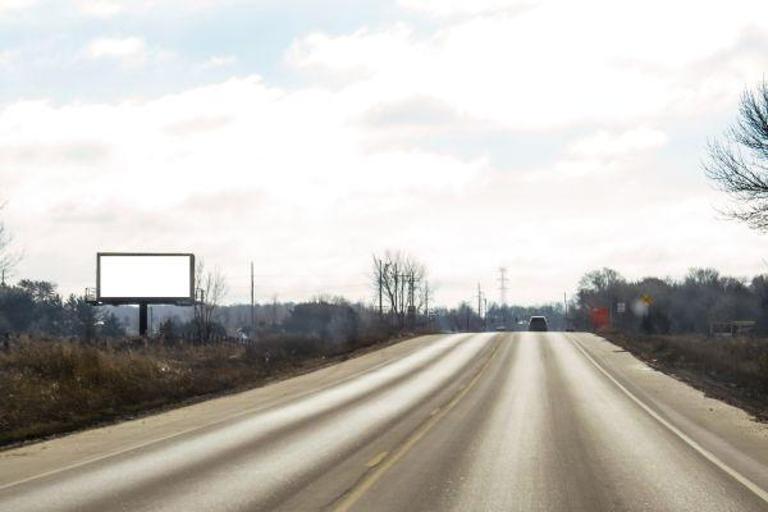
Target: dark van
<point>538,323</point>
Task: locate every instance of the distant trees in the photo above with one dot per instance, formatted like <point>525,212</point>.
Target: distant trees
<point>400,285</point>
<point>654,305</point>
<point>35,307</point>
<point>82,318</point>
<point>336,321</point>
<point>739,162</point>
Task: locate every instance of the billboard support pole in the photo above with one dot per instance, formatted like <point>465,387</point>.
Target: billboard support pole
<point>143,319</point>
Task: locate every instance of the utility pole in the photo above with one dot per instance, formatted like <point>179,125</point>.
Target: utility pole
<point>469,310</point>
<point>202,324</point>
<point>412,290</point>
<point>411,300</point>
<point>426,299</point>
<point>143,319</point>
<point>253,306</point>
<point>565,310</point>
<point>381,284</point>
<point>274,310</point>
<point>402,299</point>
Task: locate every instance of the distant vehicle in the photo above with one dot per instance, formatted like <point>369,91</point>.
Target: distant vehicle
<point>501,327</point>
<point>538,323</point>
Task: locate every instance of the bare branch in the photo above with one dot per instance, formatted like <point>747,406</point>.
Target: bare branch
<point>738,164</point>
<point>8,260</point>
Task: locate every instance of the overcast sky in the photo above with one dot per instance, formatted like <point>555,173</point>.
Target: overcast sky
<point>551,137</point>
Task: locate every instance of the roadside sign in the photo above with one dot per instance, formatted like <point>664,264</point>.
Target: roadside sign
<point>600,317</point>
<point>621,307</point>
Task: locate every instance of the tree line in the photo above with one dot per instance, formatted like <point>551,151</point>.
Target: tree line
<point>655,305</point>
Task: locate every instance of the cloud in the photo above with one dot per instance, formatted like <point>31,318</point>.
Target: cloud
<point>15,5</point>
<point>129,50</point>
<point>7,57</point>
<point>550,66</point>
<point>197,125</point>
<point>411,112</point>
<point>497,132</point>
<point>295,154</point>
<point>220,61</point>
<point>346,54</point>
<point>75,152</point>
<point>463,7</point>
<point>100,8</point>
<point>605,144</point>
<point>240,168</point>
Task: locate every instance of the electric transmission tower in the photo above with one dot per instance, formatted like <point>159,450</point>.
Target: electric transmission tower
<point>503,285</point>
<point>503,293</point>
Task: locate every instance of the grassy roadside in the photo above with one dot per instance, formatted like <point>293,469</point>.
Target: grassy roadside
<point>734,370</point>
<point>50,387</point>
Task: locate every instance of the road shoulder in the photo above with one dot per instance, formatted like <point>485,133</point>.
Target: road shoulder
<point>18,464</point>
<point>728,432</point>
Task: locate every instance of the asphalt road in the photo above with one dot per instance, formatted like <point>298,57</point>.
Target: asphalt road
<point>526,421</point>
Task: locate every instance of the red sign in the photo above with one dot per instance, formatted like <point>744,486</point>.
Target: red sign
<point>600,317</point>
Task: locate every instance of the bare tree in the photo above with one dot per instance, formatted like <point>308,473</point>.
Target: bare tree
<point>738,163</point>
<point>7,259</point>
<point>211,290</point>
<point>399,281</point>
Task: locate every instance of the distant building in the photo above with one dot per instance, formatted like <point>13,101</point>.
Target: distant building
<point>732,328</point>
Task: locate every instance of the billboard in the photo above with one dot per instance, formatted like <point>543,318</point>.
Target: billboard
<point>152,278</point>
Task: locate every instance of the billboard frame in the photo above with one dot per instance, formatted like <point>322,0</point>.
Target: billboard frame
<point>180,301</point>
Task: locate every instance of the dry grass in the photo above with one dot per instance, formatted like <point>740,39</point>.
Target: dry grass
<point>52,386</point>
<point>732,369</point>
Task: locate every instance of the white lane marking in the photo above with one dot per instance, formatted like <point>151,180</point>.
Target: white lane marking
<point>714,459</point>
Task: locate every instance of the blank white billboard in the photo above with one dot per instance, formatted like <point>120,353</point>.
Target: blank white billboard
<point>145,276</point>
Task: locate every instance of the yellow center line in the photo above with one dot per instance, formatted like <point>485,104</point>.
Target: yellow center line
<point>386,463</point>
<point>376,460</point>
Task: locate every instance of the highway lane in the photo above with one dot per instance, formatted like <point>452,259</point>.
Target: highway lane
<point>525,421</point>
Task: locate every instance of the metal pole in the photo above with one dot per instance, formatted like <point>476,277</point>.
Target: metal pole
<point>143,319</point>
<point>565,314</point>
<point>381,304</point>
<point>253,306</point>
